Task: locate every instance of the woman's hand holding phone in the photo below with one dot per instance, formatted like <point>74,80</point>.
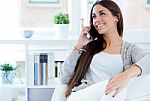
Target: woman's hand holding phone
<point>84,37</point>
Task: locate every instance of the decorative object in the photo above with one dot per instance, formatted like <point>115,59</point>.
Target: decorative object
<point>61,25</point>
<point>27,33</point>
<point>8,72</point>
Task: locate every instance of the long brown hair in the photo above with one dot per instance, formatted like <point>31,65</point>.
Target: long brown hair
<point>95,46</point>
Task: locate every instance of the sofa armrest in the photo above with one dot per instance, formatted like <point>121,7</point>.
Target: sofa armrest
<point>59,93</point>
<point>138,87</point>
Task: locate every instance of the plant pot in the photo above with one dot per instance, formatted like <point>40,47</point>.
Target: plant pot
<point>8,76</point>
<point>61,31</point>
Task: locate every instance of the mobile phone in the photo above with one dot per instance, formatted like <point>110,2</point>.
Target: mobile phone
<point>92,32</point>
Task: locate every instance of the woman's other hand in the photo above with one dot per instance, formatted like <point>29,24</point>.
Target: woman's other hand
<point>84,37</point>
<point>116,84</point>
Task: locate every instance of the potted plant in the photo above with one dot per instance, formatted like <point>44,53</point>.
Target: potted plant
<point>61,24</point>
<point>8,72</point>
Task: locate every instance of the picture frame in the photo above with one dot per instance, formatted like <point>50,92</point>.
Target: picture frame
<point>43,1</point>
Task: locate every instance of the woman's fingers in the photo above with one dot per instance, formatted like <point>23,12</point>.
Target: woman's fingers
<point>111,86</point>
<point>116,92</point>
<point>114,89</point>
<point>110,79</point>
<point>110,89</point>
<point>116,84</point>
<point>84,39</point>
<point>86,29</point>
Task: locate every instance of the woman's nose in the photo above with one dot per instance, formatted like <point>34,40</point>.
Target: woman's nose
<point>98,19</point>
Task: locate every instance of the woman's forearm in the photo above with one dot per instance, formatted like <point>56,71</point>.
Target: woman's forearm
<point>133,71</point>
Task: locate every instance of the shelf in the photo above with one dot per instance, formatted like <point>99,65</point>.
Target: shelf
<point>43,86</point>
<point>27,48</point>
<point>16,83</point>
<point>12,86</point>
<point>51,84</point>
<point>37,41</point>
<point>41,38</point>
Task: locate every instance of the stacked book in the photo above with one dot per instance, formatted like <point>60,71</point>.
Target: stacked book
<point>41,68</point>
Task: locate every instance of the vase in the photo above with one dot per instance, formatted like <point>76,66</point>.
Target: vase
<point>61,31</point>
<point>7,76</point>
<point>27,33</point>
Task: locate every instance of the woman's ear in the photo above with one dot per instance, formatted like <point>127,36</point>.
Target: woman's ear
<point>117,17</point>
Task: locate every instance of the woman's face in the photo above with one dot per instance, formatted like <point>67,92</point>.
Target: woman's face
<point>103,20</point>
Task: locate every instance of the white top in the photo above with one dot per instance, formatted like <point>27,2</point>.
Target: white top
<point>104,65</point>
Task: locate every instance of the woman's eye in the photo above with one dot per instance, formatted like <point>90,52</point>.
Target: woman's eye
<point>93,16</point>
<point>102,14</point>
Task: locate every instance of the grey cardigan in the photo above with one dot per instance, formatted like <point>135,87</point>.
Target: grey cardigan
<point>131,54</point>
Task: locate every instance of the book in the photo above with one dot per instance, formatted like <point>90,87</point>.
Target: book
<point>37,70</point>
<point>51,65</point>
<point>44,68</point>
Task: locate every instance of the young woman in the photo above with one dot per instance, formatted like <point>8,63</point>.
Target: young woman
<point>100,66</point>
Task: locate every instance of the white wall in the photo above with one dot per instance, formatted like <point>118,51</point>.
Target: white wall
<point>140,37</point>
<point>38,16</point>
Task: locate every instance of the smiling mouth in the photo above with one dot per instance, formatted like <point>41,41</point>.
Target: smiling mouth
<point>100,26</point>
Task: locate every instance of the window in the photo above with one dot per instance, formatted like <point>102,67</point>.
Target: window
<point>9,18</point>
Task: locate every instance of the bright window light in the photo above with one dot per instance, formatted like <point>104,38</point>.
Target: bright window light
<point>9,19</point>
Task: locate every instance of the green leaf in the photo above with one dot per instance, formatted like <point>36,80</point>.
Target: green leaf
<point>7,67</point>
<point>61,18</point>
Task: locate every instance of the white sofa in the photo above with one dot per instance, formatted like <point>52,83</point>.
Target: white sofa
<point>142,82</point>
